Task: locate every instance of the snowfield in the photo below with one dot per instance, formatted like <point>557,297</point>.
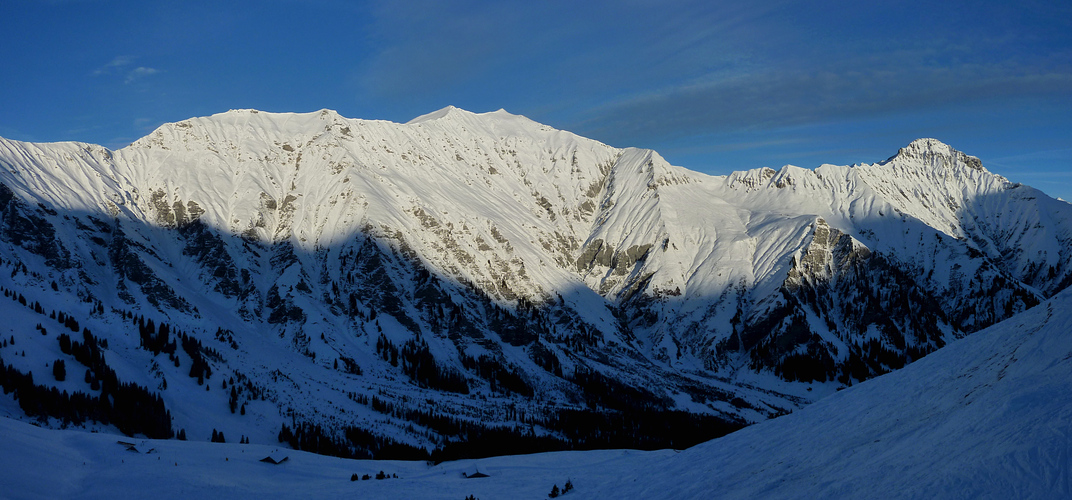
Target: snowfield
<point>989,416</point>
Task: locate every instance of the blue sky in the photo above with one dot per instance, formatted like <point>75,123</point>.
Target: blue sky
<point>713,86</point>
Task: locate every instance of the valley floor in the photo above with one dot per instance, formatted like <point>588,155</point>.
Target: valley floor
<point>42,463</point>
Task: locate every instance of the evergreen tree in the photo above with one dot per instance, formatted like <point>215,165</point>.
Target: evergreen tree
<point>59,370</point>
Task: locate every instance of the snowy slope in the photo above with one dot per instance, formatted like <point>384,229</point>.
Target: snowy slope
<point>526,271</point>
<point>986,417</point>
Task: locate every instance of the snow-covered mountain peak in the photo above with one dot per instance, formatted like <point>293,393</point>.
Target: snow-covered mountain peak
<point>236,128</point>
<point>934,153</point>
<point>434,115</point>
<point>495,124</point>
<point>454,112</point>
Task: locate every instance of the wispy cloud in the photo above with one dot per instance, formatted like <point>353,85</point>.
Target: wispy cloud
<point>425,45</point>
<point>1049,154</point>
<point>140,72</point>
<point>643,71</point>
<point>723,147</point>
<point>121,66</point>
<point>780,96</point>
<point>1045,174</point>
<point>114,66</point>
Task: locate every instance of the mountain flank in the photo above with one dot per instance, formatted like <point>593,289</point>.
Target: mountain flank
<point>471,284</point>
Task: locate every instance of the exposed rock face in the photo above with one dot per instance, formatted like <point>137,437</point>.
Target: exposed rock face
<point>932,153</point>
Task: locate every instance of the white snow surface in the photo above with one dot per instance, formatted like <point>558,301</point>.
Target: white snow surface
<point>986,417</point>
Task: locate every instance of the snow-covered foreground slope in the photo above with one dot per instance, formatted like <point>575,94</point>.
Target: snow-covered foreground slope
<point>986,417</point>
<point>990,416</point>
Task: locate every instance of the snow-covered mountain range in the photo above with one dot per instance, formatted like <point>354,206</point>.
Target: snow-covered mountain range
<point>465,274</point>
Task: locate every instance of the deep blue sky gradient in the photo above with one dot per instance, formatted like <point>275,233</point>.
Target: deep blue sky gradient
<point>713,86</point>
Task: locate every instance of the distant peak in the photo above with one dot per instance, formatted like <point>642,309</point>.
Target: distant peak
<point>435,115</point>
<point>502,113</point>
<point>928,142</point>
<point>935,152</point>
<point>456,112</point>
<point>928,146</point>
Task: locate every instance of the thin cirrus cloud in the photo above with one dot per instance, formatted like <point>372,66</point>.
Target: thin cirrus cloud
<point>777,97</point>
<point>425,45</point>
<point>113,66</point>
<point>121,65</point>
<point>638,72</point>
<point>139,72</point>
